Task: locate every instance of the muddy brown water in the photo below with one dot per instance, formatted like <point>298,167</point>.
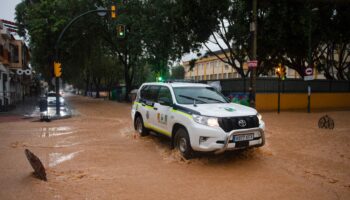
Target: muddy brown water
<point>98,155</point>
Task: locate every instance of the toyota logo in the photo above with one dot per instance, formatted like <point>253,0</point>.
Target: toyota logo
<point>242,123</point>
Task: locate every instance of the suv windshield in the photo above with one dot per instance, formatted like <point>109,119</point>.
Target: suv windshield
<point>198,95</point>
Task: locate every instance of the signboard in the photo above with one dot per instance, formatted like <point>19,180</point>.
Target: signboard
<point>252,63</point>
<point>24,71</point>
<point>309,74</point>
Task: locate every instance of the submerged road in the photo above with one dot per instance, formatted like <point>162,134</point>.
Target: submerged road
<point>98,155</point>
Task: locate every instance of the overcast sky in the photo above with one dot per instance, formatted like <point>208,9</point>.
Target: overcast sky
<point>7,9</point>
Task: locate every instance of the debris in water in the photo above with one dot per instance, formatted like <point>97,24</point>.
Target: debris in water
<point>39,170</point>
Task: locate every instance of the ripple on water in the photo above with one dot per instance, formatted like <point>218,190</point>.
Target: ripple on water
<point>56,131</point>
<point>57,158</point>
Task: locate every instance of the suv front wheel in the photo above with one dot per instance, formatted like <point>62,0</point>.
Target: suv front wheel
<point>140,128</point>
<point>182,143</point>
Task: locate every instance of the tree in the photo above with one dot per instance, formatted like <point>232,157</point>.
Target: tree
<point>178,72</point>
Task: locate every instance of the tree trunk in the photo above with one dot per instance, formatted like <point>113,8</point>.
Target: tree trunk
<point>97,86</point>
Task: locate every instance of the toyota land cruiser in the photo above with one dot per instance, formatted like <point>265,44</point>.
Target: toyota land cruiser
<point>196,117</point>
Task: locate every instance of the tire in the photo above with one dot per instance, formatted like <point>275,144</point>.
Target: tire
<point>139,126</point>
<point>183,144</point>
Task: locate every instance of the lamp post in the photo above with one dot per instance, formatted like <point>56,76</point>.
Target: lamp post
<point>253,29</point>
<point>310,61</point>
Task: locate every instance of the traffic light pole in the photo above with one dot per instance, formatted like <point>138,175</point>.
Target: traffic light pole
<point>254,44</point>
<point>57,53</point>
<point>279,95</point>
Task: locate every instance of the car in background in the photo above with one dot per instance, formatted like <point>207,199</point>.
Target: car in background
<point>50,111</point>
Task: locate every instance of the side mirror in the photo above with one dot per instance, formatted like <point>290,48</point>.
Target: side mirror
<point>165,101</point>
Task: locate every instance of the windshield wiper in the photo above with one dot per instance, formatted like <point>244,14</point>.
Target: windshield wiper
<point>211,99</point>
<point>195,99</point>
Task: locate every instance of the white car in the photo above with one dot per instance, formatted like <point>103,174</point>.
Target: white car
<point>196,118</point>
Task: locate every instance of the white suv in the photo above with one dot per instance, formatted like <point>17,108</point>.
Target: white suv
<point>196,118</point>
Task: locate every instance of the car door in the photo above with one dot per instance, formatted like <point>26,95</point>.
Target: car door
<point>163,110</point>
<point>147,104</point>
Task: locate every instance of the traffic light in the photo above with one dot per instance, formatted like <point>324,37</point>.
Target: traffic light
<point>281,71</point>
<point>121,31</point>
<point>57,69</point>
<point>160,79</point>
<point>113,12</point>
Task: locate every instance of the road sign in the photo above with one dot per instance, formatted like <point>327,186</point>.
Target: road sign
<point>252,63</point>
<point>309,74</point>
<point>309,71</point>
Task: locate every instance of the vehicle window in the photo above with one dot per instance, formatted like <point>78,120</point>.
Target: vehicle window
<point>144,92</point>
<point>150,93</point>
<point>199,95</point>
<point>164,93</point>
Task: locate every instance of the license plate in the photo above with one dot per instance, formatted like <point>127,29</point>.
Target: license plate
<point>246,137</point>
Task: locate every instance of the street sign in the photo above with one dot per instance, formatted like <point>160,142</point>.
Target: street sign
<point>252,63</point>
<point>309,74</point>
<point>308,78</point>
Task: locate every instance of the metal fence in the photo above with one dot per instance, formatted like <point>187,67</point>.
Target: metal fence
<point>270,85</point>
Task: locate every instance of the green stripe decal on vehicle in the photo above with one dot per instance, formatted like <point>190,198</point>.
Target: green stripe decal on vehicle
<point>147,125</point>
<point>138,103</point>
<point>146,106</point>
<point>182,113</point>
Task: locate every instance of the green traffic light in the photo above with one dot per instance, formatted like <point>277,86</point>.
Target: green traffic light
<point>160,78</point>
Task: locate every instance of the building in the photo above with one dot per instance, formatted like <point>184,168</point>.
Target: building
<point>212,68</point>
<point>15,74</point>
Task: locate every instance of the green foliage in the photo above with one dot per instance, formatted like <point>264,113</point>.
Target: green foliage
<point>159,31</point>
<point>178,72</point>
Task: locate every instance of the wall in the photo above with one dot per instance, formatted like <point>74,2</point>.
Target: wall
<point>298,101</point>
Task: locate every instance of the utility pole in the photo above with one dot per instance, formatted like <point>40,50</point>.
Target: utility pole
<point>310,66</point>
<point>102,12</point>
<point>253,29</point>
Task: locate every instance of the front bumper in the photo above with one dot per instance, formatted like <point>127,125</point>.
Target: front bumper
<point>219,141</point>
<point>260,142</point>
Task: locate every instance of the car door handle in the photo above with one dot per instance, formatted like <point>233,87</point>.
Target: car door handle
<point>154,108</point>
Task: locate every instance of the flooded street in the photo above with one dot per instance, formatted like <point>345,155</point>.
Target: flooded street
<point>98,155</point>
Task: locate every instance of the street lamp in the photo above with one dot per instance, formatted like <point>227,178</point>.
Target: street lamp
<point>310,62</point>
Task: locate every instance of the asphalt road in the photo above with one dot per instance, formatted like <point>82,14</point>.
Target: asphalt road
<point>98,155</point>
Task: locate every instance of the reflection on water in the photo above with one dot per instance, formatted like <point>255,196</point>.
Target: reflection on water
<point>57,158</point>
<point>56,131</point>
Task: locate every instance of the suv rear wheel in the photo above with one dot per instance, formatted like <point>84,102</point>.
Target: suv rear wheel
<point>182,143</point>
<point>140,128</point>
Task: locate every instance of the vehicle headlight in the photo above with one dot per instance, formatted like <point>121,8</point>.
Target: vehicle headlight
<point>259,117</point>
<point>209,121</point>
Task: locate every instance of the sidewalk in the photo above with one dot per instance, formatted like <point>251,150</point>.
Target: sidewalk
<point>23,109</point>
<point>29,108</point>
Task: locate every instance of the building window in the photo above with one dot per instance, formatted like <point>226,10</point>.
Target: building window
<point>230,75</point>
<point>14,54</point>
<point>226,67</point>
<point>200,67</point>
<point>1,50</point>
